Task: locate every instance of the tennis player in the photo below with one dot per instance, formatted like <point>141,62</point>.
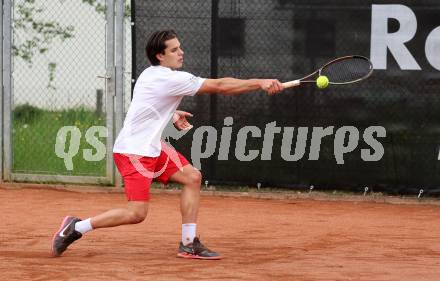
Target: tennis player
<point>141,156</point>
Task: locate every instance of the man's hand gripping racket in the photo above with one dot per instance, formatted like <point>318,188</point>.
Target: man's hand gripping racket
<point>340,71</point>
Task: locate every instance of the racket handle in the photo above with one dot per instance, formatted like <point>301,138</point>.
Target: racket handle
<point>291,84</point>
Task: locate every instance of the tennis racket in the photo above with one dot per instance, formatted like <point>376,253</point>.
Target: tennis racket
<point>340,71</point>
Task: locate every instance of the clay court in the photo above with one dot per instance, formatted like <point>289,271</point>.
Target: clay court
<point>261,239</point>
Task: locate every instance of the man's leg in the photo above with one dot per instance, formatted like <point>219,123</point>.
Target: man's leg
<point>137,190</point>
<point>73,228</point>
<point>191,247</point>
<point>134,212</point>
<point>191,179</point>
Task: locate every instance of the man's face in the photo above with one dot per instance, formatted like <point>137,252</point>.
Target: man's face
<point>173,54</point>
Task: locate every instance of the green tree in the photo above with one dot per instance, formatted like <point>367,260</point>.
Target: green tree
<point>38,34</point>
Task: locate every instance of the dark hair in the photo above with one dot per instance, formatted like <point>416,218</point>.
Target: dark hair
<point>156,44</point>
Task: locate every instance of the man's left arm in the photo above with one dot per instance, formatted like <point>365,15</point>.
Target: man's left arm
<point>180,121</point>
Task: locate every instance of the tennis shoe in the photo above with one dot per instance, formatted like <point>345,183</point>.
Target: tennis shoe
<point>65,235</point>
<point>196,250</point>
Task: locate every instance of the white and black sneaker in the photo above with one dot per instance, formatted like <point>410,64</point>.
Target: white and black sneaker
<point>65,236</point>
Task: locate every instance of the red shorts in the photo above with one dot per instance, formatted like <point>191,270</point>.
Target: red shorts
<point>139,171</point>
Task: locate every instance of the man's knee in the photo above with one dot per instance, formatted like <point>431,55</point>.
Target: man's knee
<point>138,214</point>
<point>195,178</point>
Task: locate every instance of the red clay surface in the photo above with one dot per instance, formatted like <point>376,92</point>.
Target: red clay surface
<point>261,239</point>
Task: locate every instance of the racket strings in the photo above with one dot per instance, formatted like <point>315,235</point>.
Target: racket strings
<point>347,70</point>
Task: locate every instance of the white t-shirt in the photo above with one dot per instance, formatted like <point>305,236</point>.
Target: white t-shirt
<point>157,93</point>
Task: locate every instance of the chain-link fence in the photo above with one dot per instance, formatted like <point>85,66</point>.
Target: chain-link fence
<point>59,50</point>
<point>64,83</point>
<point>287,40</point>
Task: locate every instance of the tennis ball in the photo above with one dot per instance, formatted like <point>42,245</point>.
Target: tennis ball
<point>322,82</point>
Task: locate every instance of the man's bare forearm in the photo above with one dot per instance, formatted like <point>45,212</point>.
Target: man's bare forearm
<point>233,86</point>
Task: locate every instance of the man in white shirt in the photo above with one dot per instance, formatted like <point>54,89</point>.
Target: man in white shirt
<point>141,156</point>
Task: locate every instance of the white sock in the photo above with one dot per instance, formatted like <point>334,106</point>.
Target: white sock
<point>83,226</point>
<point>188,233</point>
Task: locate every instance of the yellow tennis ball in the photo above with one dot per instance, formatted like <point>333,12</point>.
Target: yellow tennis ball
<point>322,82</point>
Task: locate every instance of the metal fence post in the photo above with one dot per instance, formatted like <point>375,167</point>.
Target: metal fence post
<point>133,45</point>
<point>110,85</point>
<point>214,74</point>
<point>7,90</point>
<point>119,67</point>
<point>2,93</point>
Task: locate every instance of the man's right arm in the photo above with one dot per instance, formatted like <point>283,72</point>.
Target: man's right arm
<point>233,86</point>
